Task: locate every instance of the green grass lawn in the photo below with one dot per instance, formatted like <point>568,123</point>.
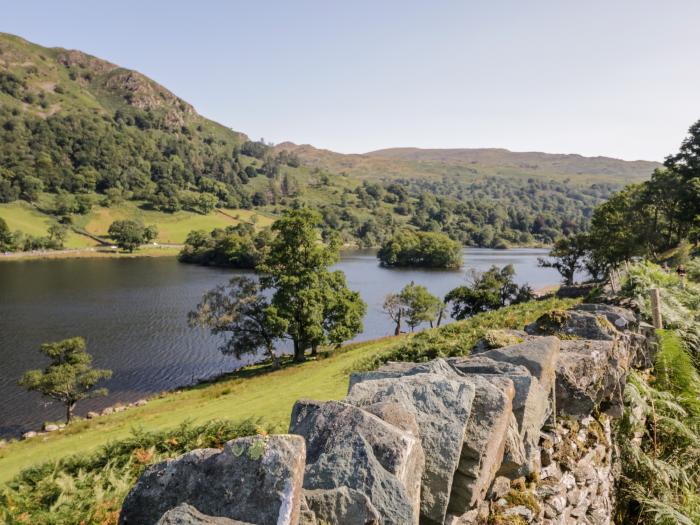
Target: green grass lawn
<point>253,393</point>
<point>173,228</point>
<point>258,392</point>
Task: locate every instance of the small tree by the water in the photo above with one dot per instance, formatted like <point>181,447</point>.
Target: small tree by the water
<point>414,305</point>
<point>129,234</point>
<point>488,290</point>
<point>69,377</point>
<point>239,312</point>
<point>567,257</point>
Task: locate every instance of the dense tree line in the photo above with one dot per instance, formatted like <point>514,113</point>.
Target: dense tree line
<point>641,221</point>
<point>494,212</point>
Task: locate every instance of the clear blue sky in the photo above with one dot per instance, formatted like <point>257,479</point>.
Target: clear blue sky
<point>618,78</point>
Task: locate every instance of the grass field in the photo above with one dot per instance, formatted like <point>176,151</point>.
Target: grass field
<point>172,227</point>
<point>255,392</point>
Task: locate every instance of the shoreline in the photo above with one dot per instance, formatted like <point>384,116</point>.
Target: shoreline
<point>163,250</point>
<point>169,250</point>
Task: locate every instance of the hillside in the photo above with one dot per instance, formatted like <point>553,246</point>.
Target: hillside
<point>474,164</point>
<point>74,124</point>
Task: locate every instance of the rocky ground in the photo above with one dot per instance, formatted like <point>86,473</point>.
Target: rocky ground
<point>518,432</point>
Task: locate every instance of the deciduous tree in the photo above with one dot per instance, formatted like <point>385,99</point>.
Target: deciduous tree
<point>69,377</point>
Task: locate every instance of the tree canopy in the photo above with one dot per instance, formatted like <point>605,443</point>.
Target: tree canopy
<point>488,290</point>
<point>241,314</point>
<point>130,234</point>
<point>69,377</point>
<point>421,249</point>
<point>413,305</point>
<point>297,297</point>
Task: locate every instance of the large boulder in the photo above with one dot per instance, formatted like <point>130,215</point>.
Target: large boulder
<point>591,375</point>
<point>538,355</point>
<point>484,441</point>
<point>350,447</point>
<point>403,368</point>
<point>185,514</point>
<point>441,407</point>
<point>254,479</point>
<point>573,324</point>
<point>531,408</point>
<point>621,318</point>
<point>341,506</point>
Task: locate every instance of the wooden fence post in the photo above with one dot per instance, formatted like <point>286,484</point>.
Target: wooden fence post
<point>656,309</point>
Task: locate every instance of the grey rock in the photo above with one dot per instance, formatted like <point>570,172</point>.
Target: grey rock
<point>185,514</point>
<point>531,408</point>
<point>51,428</point>
<point>521,511</point>
<point>499,488</point>
<point>515,458</point>
<point>92,414</point>
<point>476,516</point>
<point>484,442</point>
<point>574,323</point>
<point>621,318</point>
<point>591,374</point>
<point>441,406</point>
<point>350,447</point>
<point>253,479</point>
<point>394,414</point>
<point>395,369</point>
<point>29,435</point>
<point>538,355</point>
<point>341,506</point>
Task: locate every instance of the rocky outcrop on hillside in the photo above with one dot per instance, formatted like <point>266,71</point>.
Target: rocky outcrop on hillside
<point>518,434</point>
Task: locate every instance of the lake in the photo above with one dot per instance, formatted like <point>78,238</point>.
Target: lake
<point>132,312</point>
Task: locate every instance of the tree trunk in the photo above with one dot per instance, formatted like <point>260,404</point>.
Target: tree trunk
<point>274,357</point>
<point>397,330</point>
<point>298,352</point>
<point>314,350</point>
<point>439,319</point>
<point>69,412</point>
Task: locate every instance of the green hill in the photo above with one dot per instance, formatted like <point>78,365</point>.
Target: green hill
<point>72,123</point>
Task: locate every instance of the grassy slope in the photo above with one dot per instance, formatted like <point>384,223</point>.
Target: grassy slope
<point>251,393</point>
<point>270,395</point>
<point>172,227</point>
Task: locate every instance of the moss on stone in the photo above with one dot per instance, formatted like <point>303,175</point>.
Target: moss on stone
<point>501,338</point>
<point>525,498</point>
<point>553,322</point>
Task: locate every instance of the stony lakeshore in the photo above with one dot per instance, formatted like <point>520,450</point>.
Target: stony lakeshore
<point>518,432</point>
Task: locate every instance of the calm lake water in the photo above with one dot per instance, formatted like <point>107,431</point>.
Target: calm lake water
<point>132,312</point>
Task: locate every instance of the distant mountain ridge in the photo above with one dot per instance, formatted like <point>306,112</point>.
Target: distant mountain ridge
<point>484,161</point>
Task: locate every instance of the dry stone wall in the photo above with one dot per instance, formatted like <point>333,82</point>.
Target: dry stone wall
<point>513,435</point>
